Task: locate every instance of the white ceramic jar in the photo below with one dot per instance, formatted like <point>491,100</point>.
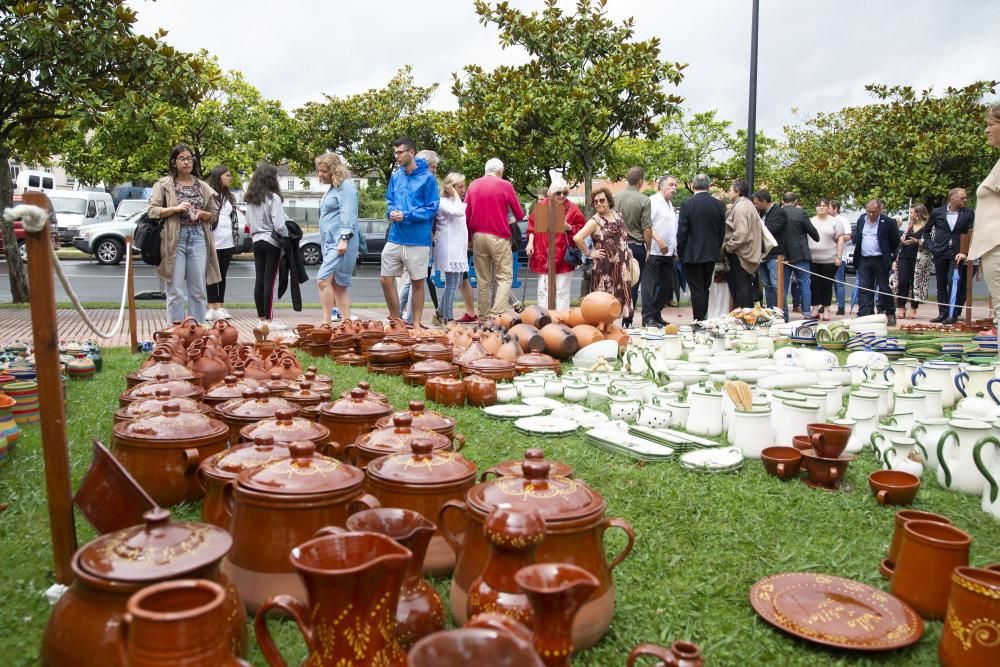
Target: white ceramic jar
<point>751,431</point>
<point>705,415</point>
<point>796,416</point>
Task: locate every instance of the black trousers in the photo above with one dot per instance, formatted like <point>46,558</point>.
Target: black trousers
<point>639,252</point>
<point>217,292</point>
<point>944,267</point>
<point>657,286</point>
<point>905,268</point>
<point>740,283</point>
<point>872,274</point>
<point>265,261</point>
<point>699,278</point>
<point>821,285</point>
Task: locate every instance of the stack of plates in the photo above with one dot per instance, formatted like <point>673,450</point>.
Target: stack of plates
<point>511,411</point>
<point>547,426</point>
<point>986,343</point>
<point>584,417</point>
<point>721,459</point>
<point>923,349</point>
<point>544,402</point>
<point>677,440</point>
<point>613,439</point>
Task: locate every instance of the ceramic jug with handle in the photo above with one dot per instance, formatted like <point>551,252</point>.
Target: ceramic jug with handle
<point>933,401</point>
<point>958,470</point>
<point>988,463</point>
<point>973,380</point>
<point>897,456</point>
<point>939,375</point>
<point>928,432</point>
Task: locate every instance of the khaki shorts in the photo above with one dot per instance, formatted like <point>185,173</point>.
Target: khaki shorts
<point>413,258</point>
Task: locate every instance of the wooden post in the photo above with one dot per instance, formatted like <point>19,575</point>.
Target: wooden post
<point>964,242</point>
<point>133,334</point>
<point>551,220</point>
<point>781,283</point>
<point>45,336</point>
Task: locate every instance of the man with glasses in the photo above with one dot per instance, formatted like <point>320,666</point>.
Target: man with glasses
<point>658,278</point>
<point>635,211</point>
<point>876,238</point>
<point>411,201</point>
<point>701,227</point>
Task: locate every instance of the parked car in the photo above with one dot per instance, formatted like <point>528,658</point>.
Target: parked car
<point>106,240</point>
<point>127,207</point>
<point>374,230</point>
<point>19,230</point>
<point>77,208</point>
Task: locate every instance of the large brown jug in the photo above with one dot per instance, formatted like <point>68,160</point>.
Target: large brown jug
<point>177,624</point>
<point>971,634</point>
<point>556,592</point>
<point>352,583</point>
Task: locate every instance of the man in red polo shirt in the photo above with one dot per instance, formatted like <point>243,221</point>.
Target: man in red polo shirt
<point>487,203</point>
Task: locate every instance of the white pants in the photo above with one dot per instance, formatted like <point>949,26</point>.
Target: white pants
<point>563,282</point>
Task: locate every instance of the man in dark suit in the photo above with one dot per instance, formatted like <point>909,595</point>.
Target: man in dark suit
<point>943,233</point>
<point>876,238</point>
<point>798,230</point>
<point>775,220</point>
<point>701,228</point>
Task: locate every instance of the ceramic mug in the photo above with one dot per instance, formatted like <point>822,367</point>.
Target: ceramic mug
<point>928,552</point>
<point>888,565</point>
<point>971,631</point>
<point>828,440</point>
<point>893,487</point>
<point>782,462</point>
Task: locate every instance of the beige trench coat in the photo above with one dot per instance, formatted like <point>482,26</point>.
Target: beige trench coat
<point>743,234</point>
<point>164,196</point>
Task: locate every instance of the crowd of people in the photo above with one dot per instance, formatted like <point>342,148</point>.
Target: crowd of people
<point>632,245</point>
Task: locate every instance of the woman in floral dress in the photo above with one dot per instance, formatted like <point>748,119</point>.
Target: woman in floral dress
<point>610,255</point>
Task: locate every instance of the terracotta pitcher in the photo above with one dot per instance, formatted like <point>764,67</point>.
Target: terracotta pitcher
<point>420,610</point>
<point>680,654</point>
<point>352,585</point>
<point>927,554</point>
<point>556,592</point>
<point>971,634</point>
<point>177,624</point>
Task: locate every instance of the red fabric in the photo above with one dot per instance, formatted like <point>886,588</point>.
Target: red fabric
<point>486,204</point>
<point>540,256</point>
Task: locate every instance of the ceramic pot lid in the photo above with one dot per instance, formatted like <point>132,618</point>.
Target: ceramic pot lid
<point>178,388</point>
<point>261,406</point>
<point>422,465</point>
<point>536,360</point>
<point>276,384</point>
<point>158,550</point>
<point>430,348</point>
<point>285,427</point>
<point>432,366</point>
<point>555,498</point>
<point>397,438</point>
<point>302,472</point>
<point>313,386</point>
<point>420,418</point>
<point>358,406</point>
<point>230,387</point>
<point>233,461</point>
<point>154,406</point>
<point>513,468</point>
<point>491,364</point>
<point>171,426</point>
<point>172,370</point>
<point>312,375</point>
<point>382,348</point>
<point>302,392</point>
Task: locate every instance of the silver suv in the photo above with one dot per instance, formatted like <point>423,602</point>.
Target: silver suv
<point>106,240</point>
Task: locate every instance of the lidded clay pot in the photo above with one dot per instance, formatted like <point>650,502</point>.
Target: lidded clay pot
<point>83,628</point>
<point>243,411</point>
<point>367,392</point>
<point>303,395</point>
<point>147,389</point>
<point>575,525</point>
<point>148,407</point>
<point>418,372</point>
<point>276,384</point>
<point>285,428</point>
<point>423,480</point>
<point>425,419</point>
<point>388,353</point>
<point>397,438</point>
<point>536,361</point>
<point>422,351</point>
<point>512,468</point>
<point>163,366</point>
<point>312,374</point>
<point>231,387</point>
<point>492,368</point>
<point>350,418</point>
<point>163,451</point>
<point>215,471</point>
<point>288,500</point>
<point>480,391</point>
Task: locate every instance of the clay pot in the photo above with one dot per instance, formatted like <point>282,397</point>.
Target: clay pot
<point>893,487</point>
<point>303,395</point>
<point>288,500</point>
<point>616,334</point>
<point>421,370</point>
<point>536,361</point>
<point>177,623</point>
<point>782,462</point>
<point>560,341</point>
<point>148,407</point>
<point>240,412</point>
<point>449,391</point>
<point>215,471</point>
<point>388,353</point>
<point>162,452</point>
<point>600,308</point>
<point>508,319</point>
<point>422,351</point>
<point>474,646</point>
<point>228,334</point>
<point>574,318</point>
<point>276,384</point>
<point>680,654</point>
<point>513,468</point>
<point>828,440</point>
<point>586,334</point>
<point>148,389</point>
<point>420,611</point>
<point>889,564</point>
<point>163,366</point>
<point>423,418</point>
<point>803,443</point>
<point>303,329</point>
<point>928,553</point>
<point>351,583</point>
<point>474,351</point>
<point>231,387</point>
<point>285,428</point>
<point>556,592</point>
<point>513,535</point>
<point>575,526</point>
<point>537,316</point>
<point>83,627</point>
<point>509,351</point>
<point>971,631</point>
<point>527,337</point>
<point>320,334</point>
<point>492,368</point>
<point>491,340</point>
<point>825,472</point>
<point>480,391</point>
<point>366,392</point>
<point>559,316</point>
<point>397,439</point>
<point>350,418</point>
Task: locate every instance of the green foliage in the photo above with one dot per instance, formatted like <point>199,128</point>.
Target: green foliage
<point>371,200</point>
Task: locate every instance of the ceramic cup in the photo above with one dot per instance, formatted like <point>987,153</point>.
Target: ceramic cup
<point>893,487</point>
<point>824,471</point>
<point>971,632</point>
<point>928,553</point>
<point>828,440</point>
<point>802,443</point>
<point>888,565</point>
<point>782,462</point>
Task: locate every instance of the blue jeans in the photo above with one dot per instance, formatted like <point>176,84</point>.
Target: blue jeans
<point>452,281</point>
<point>190,264</point>
<point>768,273</point>
<point>801,271</point>
<point>838,288</point>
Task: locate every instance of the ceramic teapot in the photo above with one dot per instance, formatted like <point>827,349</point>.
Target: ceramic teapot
<point>957,470</point>
<point>902,454</point>
<point>988,463</point>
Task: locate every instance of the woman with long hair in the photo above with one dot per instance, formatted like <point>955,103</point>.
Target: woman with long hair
<point>267,220</point>
<point>537,247</point>
<point>451,244</point>
<point>913,263</point>
<point>611,256</point>
<point>227,237</point>
<point>339,236</point>
<point>186,207</point>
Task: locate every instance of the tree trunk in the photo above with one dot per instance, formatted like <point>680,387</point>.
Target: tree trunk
<point>588,186</point>
<point>15,267</point>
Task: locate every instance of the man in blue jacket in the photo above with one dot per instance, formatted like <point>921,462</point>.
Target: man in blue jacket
<point>876,238</point>
<point>411,203</point>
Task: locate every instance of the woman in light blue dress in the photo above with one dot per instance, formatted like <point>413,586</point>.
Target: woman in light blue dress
<point>339,235</point>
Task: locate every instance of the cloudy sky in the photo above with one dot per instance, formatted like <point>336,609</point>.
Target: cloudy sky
<point>815,55</point>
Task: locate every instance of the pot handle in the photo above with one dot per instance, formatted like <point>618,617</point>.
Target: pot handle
<point>229,499</point>
<point>365,502</point>
<point>199,475</point>
<point>333,449</point>
<point>299,613</point>
<point>940,452</point>
<point>960,383</point>
<point>486,474</point>
<point>621,524</point>
<point>123,625</point>
<point>876,436</point>
<point>885,457</point>
<point>977,455</point>
<point>917,373</point>
<point>989,390</point>
<point>460,439</point>
<point>192,457</point>
<point>882,496</point>
<point>454,541</point>
<point>349,452</point>
<point>660,653</point>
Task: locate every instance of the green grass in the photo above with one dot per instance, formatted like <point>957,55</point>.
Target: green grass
<point>701,540</point>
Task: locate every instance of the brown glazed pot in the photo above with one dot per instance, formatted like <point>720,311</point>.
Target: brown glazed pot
<point>480,391</point>
<point>148,389</point>
<point>782,462</point>
<point>423,480</point>
<point>419,372</point>
<point>243,411</point>
<point>304,394</point>
<point>893,487</point>
<point>536,361</point>
<point>388,353</point>
<point>367,392</point>
<point>420,610</point>
<point>277,385</point>
<point>350,418</point>
<point>439,351</point>
<point>825,472</point>
<point>889,564</point>
<point>422,418</point>
<point>449,391</point>
<point>575,525</point>
<point>828,440</point>
<point>83,627</point>
<point>492,368</point>
<point>680,654</point>
<point>163,366</point>
<point>215,471</point>
<point>162,452</point>
<point>231,387</point>
<point>288,500</point>
<point>474,646</point>
<point>177,624</point>
<point>148,407</point>
<point>556,592</point>
<point>512,468</point>
<point>971,634</point>
<point>527,337</point>
<point>285,428</point>
<point>560,341</point>
<point>397,439</point>
<point>351,584</point>
<point>928,553</point>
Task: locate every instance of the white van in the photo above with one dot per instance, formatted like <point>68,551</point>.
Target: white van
<point>75,208</point>
<point>31,180</point>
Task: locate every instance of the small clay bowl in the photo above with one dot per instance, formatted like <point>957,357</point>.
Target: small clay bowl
<point>893,487</point>
<point>802,443</point>
<point>782,462</point>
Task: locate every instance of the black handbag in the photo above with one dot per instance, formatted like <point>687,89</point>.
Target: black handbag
<point>146,237</point>
<point>573,255</point>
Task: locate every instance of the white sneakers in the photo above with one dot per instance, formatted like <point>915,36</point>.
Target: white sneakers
<point>211,315</point>
<point>223,314</point>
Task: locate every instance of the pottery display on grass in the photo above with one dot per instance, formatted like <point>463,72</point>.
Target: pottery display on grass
<point>285,428</point>
<point>215,471</point>
<point>243,411</point>
<point>289,500</point>
<point>893,487</point>
<point>397,439</point>
<point>422,418</point>
<point>349,418</point>
<point>888,565</point>
<point>575,525</point>
<point>367,392</point>
<point>971,631</point>
<point>153,406</point>
<point>351,584</point>
<point>556,592</point>
<point>928,552</point>
<point>782,462</point>
<point>678,654</point>
<point>83,626</point>
<point>229,388</point>
<point>513,468</point>
<point>420,611</point>
<point>162,452</point>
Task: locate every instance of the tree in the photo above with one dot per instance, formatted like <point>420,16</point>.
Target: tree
<point>587,85</point>
<point>63,60</point>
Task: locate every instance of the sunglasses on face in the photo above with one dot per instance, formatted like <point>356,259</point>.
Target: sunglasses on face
<point>600,201</point>
<point>562,194</point>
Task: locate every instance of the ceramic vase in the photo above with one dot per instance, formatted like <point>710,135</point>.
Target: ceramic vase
<point>556,592</point>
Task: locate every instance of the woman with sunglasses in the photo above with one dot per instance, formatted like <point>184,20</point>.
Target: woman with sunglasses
<point>537,247</point>
<point>611,257</point>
